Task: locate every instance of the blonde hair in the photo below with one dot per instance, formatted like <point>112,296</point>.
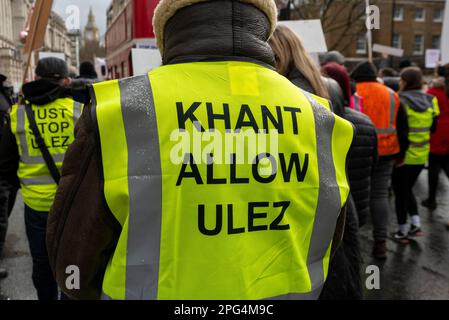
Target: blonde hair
<point>290,53</point>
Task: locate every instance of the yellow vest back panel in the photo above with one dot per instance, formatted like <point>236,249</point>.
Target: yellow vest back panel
<point>206,218</point>
<point>56,123</point>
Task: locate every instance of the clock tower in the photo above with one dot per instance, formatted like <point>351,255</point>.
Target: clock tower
<point>91,33</point>
<point>92,47</point>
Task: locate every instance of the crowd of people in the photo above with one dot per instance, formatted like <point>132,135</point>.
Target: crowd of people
<point>401,124</point>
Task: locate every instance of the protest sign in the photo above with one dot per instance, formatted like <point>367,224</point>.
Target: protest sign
<point>145,60</point>
<point>310,32</point>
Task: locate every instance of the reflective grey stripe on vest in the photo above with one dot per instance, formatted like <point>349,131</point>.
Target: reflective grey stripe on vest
<point>145,189</point>
<point>357,103</point>
<point>329,199</point>
<point>76,111</point>
<point>39,181</point>
<point>419,144</point>
<point>390,129</point>
<point>419,130</point>
<point>392,107</point>
<point>26,158</point>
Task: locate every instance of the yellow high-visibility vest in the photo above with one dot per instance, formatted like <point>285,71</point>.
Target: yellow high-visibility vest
<point>227,181</point>
<point>420,124</point>
<point>56,123</point>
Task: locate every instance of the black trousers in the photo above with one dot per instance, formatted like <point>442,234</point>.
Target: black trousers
<point>404,178</point>
<point>436,164</point>
<point>7,200</point>
<point>43,280</point>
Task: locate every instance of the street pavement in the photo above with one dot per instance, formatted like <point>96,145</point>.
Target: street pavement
<point>419,270</point>
<point>416,271</point>
<point>17,259</point>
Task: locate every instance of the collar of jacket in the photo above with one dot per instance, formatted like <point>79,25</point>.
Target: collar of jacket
<point>43,91</point>
<point>218,31</point>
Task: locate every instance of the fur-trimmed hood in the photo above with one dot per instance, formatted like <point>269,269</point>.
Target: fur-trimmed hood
<point>166,9</point>
<point>214,31</point>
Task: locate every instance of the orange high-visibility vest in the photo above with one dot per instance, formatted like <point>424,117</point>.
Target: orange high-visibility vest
<point>381,104</point>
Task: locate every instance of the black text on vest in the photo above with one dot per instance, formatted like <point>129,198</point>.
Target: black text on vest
<point>257,218</point>
<point>245,120</point>
<point>53,126</point>
<point>291,170</point>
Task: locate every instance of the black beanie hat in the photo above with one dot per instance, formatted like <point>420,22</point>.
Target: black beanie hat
<point>364,72</point>
<point>52,68</point>
<point>87,70</point>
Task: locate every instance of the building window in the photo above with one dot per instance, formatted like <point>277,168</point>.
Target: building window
<point>438,15</point>
<point>398,13</point>
<point>361,44</point>
<point>418,44</point>
<point>397,41</point>
<point>420,14</point>
<point>436,42</point>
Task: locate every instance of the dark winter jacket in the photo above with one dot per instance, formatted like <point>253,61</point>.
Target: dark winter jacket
<point>80,222</point>
<point>5,105</point>
<point>361,161</point>
<point>5,100</point>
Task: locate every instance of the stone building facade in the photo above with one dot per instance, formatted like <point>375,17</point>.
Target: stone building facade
<point>13,14</point>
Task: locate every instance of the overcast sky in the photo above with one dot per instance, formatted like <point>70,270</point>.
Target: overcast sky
<point>98,6</point>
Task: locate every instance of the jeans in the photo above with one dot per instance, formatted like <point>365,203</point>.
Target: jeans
<point>43,280</point>
<point>436,163</point>
<point>404,178</point>
<point>379,205</point>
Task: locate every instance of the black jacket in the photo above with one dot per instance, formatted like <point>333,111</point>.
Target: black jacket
<point>5,105</point>
<point>361,160</point>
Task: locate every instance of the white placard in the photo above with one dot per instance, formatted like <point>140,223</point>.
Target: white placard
<point>391,51</point>
<point>310,32</point>
<point>432,58</point>
<point>445,36</point>
<point>145,60</point>
<point>101,68</point>
<point>58,55</point>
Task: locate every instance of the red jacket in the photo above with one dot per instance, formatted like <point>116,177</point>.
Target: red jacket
<point>439,143</point>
